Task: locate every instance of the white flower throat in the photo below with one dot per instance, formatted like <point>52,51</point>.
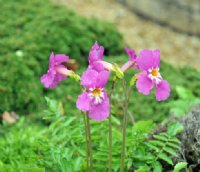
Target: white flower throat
<point>96,94</point>
<point>154,75</point>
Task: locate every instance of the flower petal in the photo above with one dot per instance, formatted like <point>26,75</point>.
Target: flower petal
<point>59,77</point>
<point>48,78</point>
<point>83,102</point>
<point>57,59</point>
<point>148,59</point>
<point>89,78</point>
<point>96,66</point>
<point>96,53</point>
<point>162,90</point>
<point>51,78</point>
<point>101,111</point>
<point>156,56</point>
<point>131,53</point>
<point>144,84</point>
<point>102,78</point>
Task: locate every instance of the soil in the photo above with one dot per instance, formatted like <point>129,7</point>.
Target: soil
<point>176,48</point>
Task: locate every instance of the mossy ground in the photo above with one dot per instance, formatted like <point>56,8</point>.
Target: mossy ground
<point>30,31</point>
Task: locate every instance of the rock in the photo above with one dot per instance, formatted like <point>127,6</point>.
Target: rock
<point>190,139</point>
<point>10,118</point>
<point>182,15</point>
<point>176,48</point>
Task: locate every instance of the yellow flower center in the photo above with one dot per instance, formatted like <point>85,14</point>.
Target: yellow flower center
<point>154,72</point>
<point>97,92</point>
<point>97,95</point>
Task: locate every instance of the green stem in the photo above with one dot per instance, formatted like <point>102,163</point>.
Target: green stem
<point>86,139</point>
<point>127,95</point>
<point>90,145</point>
<point>110,133</point>
<point>110,144</point>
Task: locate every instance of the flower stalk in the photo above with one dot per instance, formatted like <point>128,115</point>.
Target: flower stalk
<point>86,139</point>
<point>127,95</point>
<point>89,145</point>
<point>110,132</point>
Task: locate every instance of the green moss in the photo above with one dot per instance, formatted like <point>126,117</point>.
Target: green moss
<point>30,31</point>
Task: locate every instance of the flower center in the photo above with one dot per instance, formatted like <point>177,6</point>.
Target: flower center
<point>97,95</point>
<point>154,75</point>
<point>96,92</point>
<point>155,72</point>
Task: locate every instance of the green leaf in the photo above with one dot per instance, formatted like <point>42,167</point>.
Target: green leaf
<point>157,167</point>
<point>31,168</point>
<point>157,143</point>
<point>143,169</point>
<point>115,120</point>
<point>164,134</point>
<point>152,147</point>
<point>144,126</point>
<point>180,166</point>
<point>52,104</point>
<point>170,151</point>
<point>160,137</point>
<point>164,157</point>
<point>173,145</point>
<point>175,140</point>
<point>143,156</point>
<point>179,107</point>
<point>78,164</point>
<point>174,128</point>
<point>129,163</point>
<point>184,93</point>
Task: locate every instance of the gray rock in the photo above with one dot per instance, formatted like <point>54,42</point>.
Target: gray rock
<point>190,138</point>
<point>183,15</point>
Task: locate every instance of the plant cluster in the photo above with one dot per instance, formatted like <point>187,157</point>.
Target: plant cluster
<point>94,101</point>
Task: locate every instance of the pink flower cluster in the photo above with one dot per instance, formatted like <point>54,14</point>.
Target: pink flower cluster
<point>94,99</point>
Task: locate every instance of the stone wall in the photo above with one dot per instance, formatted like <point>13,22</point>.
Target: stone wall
<point>182,15</point>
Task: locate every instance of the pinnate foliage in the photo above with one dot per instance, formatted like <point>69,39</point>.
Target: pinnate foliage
<point>161,147</point>
<point>60,147</point>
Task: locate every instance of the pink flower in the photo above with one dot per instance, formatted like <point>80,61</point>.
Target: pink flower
<point>57,72</point>
<point>149,62</point>
<point>96,53</point>
<point>96,59</point>
<point>94,100</point>
<point>131,61</point>
<point>96,62</point>
<point>131,54</point>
